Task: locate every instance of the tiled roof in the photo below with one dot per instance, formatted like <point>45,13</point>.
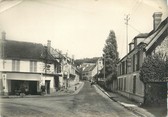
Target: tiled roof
<point>54,53</point>
<point>151,36</point>
<point>24,50</point>
<point>141,35</point>
<point>162,26</point>
<point>158,38</point>
<point>89,68</point>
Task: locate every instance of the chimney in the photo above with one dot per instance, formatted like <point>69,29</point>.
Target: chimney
<point>157,18</point>
<point>131,46</point>
<point>3,35</point>
<point>49,45</point>
<point>73,59</point>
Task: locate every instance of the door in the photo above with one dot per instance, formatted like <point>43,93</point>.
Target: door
<point>33,87</point>
<point>47,86</point>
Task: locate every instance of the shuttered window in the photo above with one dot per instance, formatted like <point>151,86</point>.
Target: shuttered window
<point>33,66</point>
<point>15,65</point>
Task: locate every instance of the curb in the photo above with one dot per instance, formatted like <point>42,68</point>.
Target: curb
<point>79,88</point>
<point>44,96</point>
<point>128,108</point>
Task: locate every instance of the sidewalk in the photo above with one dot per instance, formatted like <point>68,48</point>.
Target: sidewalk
<point>74,89</point>
<point>128,104</point>
<point>70,90</point>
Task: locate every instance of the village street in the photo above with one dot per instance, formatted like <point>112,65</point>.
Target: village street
<point>89,102</point>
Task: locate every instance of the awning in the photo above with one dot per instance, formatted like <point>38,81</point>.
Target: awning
<point>23,76</point>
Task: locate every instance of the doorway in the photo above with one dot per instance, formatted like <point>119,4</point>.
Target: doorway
<point>33,87</point>
<point>47,86</point>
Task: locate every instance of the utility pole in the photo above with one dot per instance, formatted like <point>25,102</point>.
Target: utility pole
<point>127,18</point>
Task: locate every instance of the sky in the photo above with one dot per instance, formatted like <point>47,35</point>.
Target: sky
<point>78,27</point>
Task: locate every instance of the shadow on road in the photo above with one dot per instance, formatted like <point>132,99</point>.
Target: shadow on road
<point>157,111</point>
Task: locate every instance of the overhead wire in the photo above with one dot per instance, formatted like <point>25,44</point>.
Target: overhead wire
<point>134,28</point>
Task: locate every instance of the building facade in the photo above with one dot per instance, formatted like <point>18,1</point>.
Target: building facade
<point>26,65</point>
<point>88,72</point>
<point>69,72</point>
<point>128,81</point>
<point>91,70</point>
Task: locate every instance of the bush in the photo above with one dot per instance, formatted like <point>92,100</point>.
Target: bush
<point>153,69</point>
<point>153,75</point>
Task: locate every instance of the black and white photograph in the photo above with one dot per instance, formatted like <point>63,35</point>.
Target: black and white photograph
<point>83,58</point>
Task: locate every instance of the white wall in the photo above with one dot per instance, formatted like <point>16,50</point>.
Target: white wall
<point>51,79</point>
<point>25,66</point>
<point>139,91</point>
<point>41,66</point>
<point>94,71</point>
<point>140,86</point>
<point>7,65</point>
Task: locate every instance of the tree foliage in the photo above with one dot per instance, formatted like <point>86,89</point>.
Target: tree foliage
<point>153,74</point>
<point>86,60</point>
<point>111,55</point>
<point>154,69</point>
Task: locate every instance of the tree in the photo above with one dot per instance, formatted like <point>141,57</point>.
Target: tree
<point>154,69</point>
<point>111,56</point>
<point>153,74</point>
<point>86,60</point>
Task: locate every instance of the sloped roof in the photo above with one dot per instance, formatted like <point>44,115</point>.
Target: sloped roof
<point>24,50</point>
<point>161,30</point>
<point>152,36</point>
<point>89,68</point>
<point>141,35</point>
<point>54,53</point>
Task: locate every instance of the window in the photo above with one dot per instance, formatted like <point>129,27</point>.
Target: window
<point>124,84</point>
<point>119,83</point>
<point>118,70</point>
<point>138,61</point>
<point>15,65</point>
<point>126,67</point>
<point>134,84</point>
<point>33,66</point>
<point>133,65</point>
<point>122,88</point>
<point>123,67</point>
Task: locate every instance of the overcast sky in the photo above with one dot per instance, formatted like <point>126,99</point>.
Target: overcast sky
<point>78,26</point>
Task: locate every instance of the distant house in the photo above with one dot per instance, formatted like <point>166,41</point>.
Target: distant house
<point>70,74</point>
<point>99,64</point>
<point>129,83</point>
<point>88,73</point>
<point>91,70</point>
<point>28,65</point>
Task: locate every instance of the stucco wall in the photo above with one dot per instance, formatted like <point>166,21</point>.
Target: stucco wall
<point>128,91</point>
<point>6,65</point>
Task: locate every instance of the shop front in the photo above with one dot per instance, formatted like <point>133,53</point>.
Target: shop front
<point>15,83</point>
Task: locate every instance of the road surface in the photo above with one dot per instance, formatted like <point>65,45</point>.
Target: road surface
<point>89,102</point>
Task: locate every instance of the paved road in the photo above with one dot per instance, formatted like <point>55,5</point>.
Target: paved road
<point>89,102</point>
